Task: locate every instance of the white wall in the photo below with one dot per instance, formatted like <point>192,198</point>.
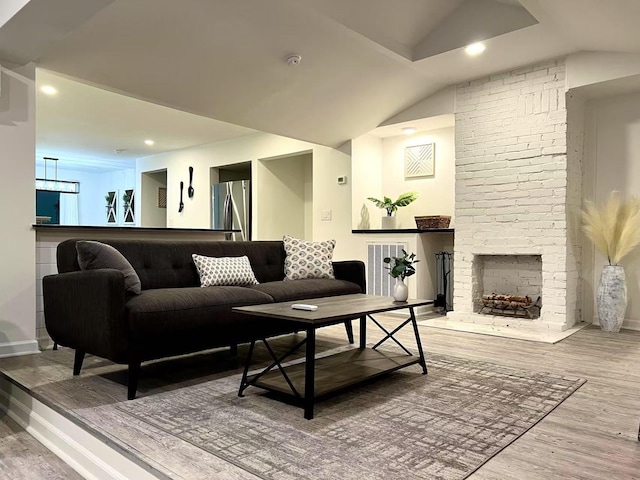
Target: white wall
<point>612,162</point>
<point>283,186</point>
<point>328,164</point>
<point>308,198</point>
<point>148,213</point>
<point>17,242</point>
<point>366,180</point>
<point>436,193</point>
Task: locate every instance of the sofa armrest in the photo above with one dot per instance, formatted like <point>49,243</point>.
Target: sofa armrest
<point>352,271</point>
<point>85,310</point>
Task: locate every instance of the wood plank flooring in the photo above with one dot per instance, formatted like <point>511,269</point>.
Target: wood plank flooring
<point>592,435</point>
<point>22,457</point>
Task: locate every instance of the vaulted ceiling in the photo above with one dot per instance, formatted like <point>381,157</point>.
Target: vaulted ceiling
<point>363,61</point>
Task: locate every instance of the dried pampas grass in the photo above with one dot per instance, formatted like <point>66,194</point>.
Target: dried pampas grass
<point>614,228</point>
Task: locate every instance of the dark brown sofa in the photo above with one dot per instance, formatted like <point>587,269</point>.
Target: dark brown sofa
<point>90,311</point>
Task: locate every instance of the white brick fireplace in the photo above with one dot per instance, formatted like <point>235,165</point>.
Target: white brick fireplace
<point>518,184</point>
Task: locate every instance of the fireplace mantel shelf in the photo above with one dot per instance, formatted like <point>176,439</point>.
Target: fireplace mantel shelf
<point>406,230</point>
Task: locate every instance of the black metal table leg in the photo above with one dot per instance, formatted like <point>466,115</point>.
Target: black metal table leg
<point>243,382</point>
<point>415,330</point>
<point>363,332</point>
<point>310,374</point>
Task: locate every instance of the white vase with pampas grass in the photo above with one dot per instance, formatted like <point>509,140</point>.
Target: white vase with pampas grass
<point>614,228</point>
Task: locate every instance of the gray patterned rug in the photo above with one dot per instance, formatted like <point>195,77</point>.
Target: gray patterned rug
<point>444,425</point>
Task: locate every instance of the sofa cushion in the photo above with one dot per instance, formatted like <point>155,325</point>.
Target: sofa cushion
<point>307,259</point>
<point>95,255</point>
<point>168,263</point>
<point>286,290</point>
<point>174,314</point>
<point>224,271</point>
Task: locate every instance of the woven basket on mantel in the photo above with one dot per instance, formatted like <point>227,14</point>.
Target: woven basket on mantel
<point>433,221</point>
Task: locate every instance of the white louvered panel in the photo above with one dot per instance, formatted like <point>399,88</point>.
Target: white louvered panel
<point>379,282</point>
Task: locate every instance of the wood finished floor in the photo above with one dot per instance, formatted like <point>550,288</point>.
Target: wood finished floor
<point>592,435</point>
<point>22,457</point>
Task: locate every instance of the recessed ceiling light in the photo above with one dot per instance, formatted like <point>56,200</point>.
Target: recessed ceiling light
<point>149,142</point>
<point>475,48</point>
<point>408,130</point>
<point>48,90</point>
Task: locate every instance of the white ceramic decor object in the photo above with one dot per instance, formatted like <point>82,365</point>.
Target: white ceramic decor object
<point>388,222</point>
<point>612,298</point>
<point>400,291</point>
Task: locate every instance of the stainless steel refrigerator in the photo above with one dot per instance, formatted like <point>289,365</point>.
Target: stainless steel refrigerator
<point>231,208</point>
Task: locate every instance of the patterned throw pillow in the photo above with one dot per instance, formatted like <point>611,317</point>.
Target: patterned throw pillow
<point>224,271</point>
<point>307,259</point>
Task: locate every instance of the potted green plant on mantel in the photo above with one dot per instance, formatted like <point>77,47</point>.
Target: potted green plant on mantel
<point>401,268</point>
<point>614,228</point>
<point>389,221</point>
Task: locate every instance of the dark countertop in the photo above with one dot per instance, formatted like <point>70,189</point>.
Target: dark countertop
<point>407,230</point>
<point>121,228</point>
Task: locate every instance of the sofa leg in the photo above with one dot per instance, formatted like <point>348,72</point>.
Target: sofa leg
<point>132,379</point>
<point>233,349</point>
<point>77,364</point>
<point>349,327</point>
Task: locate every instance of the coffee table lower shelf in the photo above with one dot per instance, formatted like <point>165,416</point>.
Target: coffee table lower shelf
<point>335,372</point>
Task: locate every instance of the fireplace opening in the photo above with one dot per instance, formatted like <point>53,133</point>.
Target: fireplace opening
<point>508,285</point>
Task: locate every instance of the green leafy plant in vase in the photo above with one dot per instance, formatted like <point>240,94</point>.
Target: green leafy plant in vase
<point>401,268</point>
<point>126,198</point>
<point>109,198</point>
<point>391,206</point>
<point>614,229</point>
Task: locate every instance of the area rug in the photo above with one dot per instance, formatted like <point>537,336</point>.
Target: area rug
<point>443,425</point>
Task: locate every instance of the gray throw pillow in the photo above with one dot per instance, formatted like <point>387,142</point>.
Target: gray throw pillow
<point>93,255</point>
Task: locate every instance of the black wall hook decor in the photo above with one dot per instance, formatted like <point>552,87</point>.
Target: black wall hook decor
<point>181,207</point>
<point>190,191</point>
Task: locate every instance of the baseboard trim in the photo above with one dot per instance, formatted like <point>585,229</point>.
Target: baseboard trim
<point>629,324</point>
<point>91,457</point>
<point>425,311</point>
<point>13,349</point>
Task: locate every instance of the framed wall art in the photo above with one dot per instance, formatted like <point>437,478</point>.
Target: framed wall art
<point>419,160</point>
<point>128,206</point>
<point>162,197</point>
<point>112,206</point>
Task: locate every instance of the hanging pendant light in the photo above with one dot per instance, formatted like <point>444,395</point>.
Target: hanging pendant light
<point>55,185</point>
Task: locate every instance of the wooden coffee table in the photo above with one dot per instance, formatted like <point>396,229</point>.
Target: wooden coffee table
<point>318,377</point>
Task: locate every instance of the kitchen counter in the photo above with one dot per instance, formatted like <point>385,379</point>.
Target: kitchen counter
<point>406,230</point>
<point>121,228</point>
